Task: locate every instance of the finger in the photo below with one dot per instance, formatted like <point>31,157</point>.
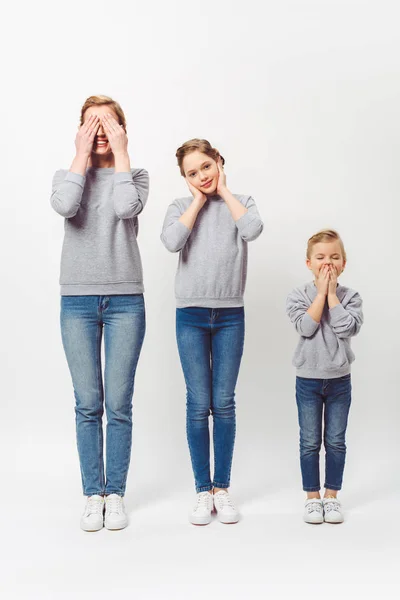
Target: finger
<point>94,125</point>
<point>113,124</point>
<point>93,132</point>
<point>86,125</point>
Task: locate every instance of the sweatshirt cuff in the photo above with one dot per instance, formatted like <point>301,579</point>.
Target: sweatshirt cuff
<point>123,177</point>
<point>337,312</point>
<point>244,221</point>
<point>308,325</point>
<point>75,178</point>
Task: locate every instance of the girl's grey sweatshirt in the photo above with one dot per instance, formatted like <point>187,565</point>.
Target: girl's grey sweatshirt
<point>212,265</point>
<point>324,351</point>
<point>100,254</point>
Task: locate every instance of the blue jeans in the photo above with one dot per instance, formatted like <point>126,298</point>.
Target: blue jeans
<point>328,400</point>
<point>83,321</point>
<point>210,344</point>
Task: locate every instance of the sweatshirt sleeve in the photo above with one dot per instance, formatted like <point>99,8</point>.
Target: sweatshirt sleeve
<point>250,225</point>
<point>347,321</point>
<point>296,309</point>
<point>130,193</point>
<point>174,234</point>
<point>67,190</point>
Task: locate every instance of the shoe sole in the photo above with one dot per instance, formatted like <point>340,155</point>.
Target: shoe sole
<point>313,522</point>
<point>84,528</point>
<point>200,521</point>
<point>227,521</point>
<point>115,527</point>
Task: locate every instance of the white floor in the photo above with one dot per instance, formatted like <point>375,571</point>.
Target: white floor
<point>271,553</point>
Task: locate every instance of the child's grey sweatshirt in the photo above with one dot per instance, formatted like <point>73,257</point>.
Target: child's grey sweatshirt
<point>324,351</point>
<point>100,254</point>
<point>212,265</point>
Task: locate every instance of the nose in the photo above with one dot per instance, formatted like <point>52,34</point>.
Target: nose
<point>100,131</point>
<point>203,177</point>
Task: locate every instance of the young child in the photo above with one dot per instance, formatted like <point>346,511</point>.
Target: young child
<point>326,315</point>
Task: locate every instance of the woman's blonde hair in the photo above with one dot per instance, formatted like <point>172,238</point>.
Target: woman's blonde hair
<point>101,101</point>
<point>325,235</point>
<point>196,144</point>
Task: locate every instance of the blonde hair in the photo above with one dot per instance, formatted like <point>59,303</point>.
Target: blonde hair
<point>104,101</point>
<point>325,235</point>
<point>197,144</point>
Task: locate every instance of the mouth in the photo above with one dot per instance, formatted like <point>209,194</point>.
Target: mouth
<point>101,143</point>
<point>207,184</point>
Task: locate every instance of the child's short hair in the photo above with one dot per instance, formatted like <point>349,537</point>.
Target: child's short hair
<point>325,235</point>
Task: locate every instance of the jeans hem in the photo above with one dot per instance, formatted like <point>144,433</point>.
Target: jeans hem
<point>87,494</point>
<point>204,488</point>
<point>312,489</point>
<point>337,488</point>
<point>221,485</point>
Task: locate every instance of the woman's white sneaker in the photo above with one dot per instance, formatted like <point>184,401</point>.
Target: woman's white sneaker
<point>201,513</point>
<point>116,517</point>
<point>226,510</point>
<point>313,511</point>
<point>332,511</point>
<point>93,516</point>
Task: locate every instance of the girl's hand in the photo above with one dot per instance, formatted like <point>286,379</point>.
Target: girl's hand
<point>221,185</point>
<point>116,135</point>
<point>333,275</point>
<point>198,196</point>
<point>85,137</point>
<point>322,281</point>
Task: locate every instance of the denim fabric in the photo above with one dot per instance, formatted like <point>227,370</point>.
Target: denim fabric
<point>84,319</point>
<point>323,401</point>
<point>210,344</point>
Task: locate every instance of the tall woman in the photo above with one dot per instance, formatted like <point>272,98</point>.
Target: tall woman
<point>210,230</point>
<point>101,279</point>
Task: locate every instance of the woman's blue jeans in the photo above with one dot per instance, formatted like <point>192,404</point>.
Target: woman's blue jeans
<point>84,319</point>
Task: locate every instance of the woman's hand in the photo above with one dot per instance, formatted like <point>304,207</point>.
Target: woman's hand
<point>85,137</point>
<point>116,135</point>
<point>198,196</point>
<point>221,185</point>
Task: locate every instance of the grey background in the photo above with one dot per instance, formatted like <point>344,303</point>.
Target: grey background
<point>302,99</point>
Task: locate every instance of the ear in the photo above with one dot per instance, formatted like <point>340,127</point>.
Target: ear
<point>308,263</point>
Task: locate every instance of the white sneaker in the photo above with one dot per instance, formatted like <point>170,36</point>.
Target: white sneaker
<point>313,511</point>
<point>116,517</point>
<point>226,511</point>
<point>92,518</point>
<point>201,513</point>
<point>332,511</point>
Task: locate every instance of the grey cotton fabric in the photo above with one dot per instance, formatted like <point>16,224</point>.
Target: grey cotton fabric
<point>212,266</point>
<point>100,254</point>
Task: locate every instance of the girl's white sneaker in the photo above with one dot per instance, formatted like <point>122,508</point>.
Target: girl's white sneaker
<point>201,513</point>
<point>226,510</point>
<point>116,517</point>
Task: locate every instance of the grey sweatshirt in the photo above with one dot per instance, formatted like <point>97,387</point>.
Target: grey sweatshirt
<point>212,265</point>
<point>324,351</point>
<point>100,254</point>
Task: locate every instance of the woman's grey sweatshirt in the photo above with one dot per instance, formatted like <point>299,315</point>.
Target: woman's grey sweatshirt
<point>100,254</point>
<point>324,351</point>
<point>212,265</point>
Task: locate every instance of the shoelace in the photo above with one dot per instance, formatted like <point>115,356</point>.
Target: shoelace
<point>202,501</point>
<point>314,506</point>
<point>94,506</point>
<point>225,500</point>
<point>113,505</point>
<point>332,505</point>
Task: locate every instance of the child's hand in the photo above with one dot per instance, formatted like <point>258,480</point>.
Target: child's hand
<point>333,275</point>
<point>322,281</point>
<point>198,196</point>
<point>221,186</point>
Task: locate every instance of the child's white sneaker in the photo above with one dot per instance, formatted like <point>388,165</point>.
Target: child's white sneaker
<point>93,516</point>
<point>313,511</point>
<point>226,510</point>
<point>332,510</point>
<point>116,517</point>
<point>201,513</point>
